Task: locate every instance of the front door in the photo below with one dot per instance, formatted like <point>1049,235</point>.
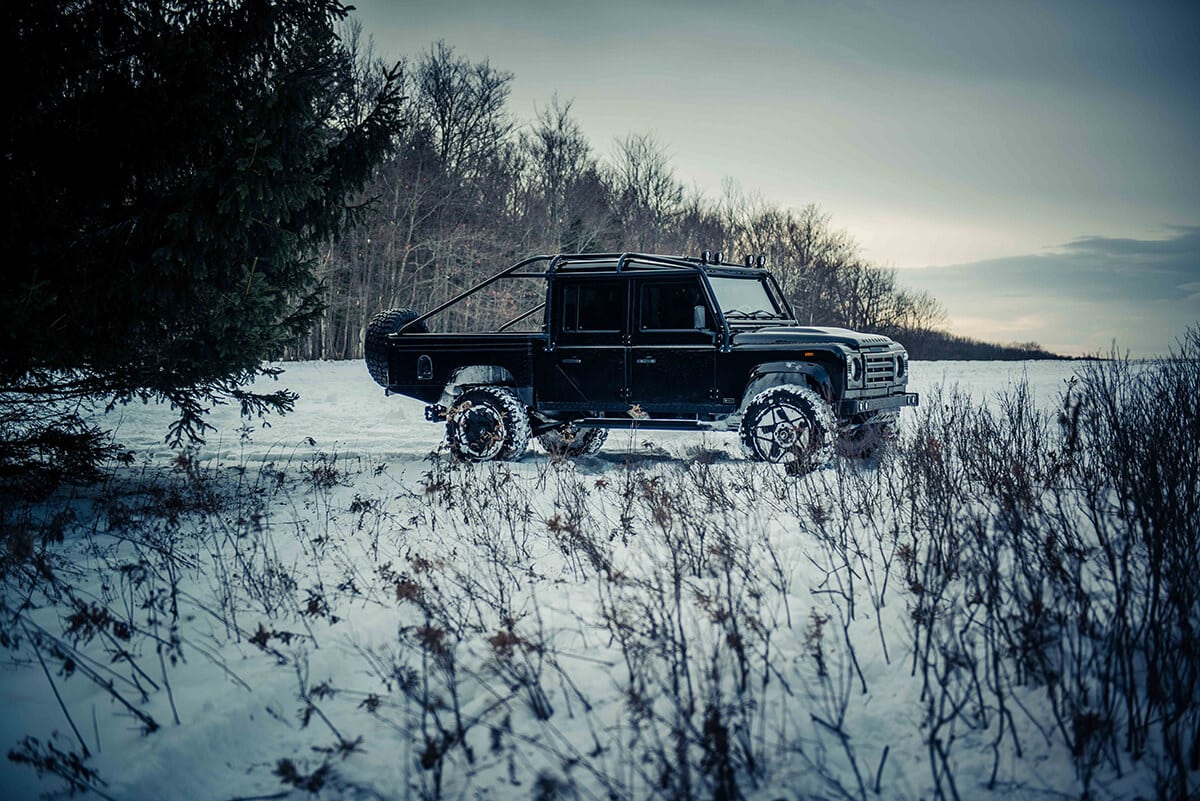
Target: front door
<point>672,360</point>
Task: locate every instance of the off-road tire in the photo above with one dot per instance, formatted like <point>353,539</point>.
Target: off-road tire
<point>866,440</point>
<point>569,441</point>
<point>487,423</point>
<point>375,343</point>
<point>789,424</point>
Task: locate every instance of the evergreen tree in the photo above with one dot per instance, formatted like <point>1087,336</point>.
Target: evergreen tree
<point>170,168</point>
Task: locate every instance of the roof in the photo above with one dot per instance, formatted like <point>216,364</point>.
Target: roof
<point>622,262</point>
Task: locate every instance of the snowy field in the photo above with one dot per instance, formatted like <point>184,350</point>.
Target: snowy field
<point>344,411</point>
<point>320,606</point>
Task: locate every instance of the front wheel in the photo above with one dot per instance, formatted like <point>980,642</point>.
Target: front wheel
<point>487,423</point>
<point>789,424</point>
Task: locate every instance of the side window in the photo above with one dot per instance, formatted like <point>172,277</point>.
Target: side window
<point>593,306</point>
<point>668,306</point>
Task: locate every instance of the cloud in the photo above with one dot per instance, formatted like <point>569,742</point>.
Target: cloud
<point>1185,243</point>
<point>1082,295</point>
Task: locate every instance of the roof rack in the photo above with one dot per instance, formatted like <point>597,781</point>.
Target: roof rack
<point>578,261</point>
<point>507,272</point>
<point>622,261</point>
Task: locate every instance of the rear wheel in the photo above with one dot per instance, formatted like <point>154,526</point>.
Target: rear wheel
<point>487,423</point>
<point>375,342</point>
<point>789,424</point>
<point>569,441</point>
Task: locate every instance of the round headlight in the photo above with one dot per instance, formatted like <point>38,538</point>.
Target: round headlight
<point>856,369</point>
<point>901,366</point>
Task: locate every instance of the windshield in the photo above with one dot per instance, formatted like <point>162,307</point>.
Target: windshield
<point>743,297</point>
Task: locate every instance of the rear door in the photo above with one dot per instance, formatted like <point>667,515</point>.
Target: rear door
<point>588,354</point>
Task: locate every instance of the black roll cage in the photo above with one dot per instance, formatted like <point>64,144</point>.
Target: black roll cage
<point>604,263</point>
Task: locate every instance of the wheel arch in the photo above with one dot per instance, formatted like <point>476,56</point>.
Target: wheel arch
<point>774,374</point>
<point>478,375</point>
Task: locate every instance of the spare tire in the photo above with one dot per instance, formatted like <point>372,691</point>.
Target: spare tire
<point>375,343</point>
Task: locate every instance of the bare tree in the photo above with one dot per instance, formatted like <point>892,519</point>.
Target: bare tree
<point>466,194</point>
<point>558,154</point>
<point>648,196</point>
<point>698,226</point>
<point>753,225</point>
<point>564,200</point>
<point>463,103</point>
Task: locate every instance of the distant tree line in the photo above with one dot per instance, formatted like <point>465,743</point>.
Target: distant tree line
<point>934,344</point>
<point>471,189</point>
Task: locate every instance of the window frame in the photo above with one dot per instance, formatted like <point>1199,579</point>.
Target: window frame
<point>702,296</point>
<point>570,325</point>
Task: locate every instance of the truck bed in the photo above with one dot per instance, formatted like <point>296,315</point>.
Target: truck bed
<point>421,365</point>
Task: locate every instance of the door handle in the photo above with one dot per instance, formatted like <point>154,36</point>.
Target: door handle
<point>572,360</point>
<point>647,360</point>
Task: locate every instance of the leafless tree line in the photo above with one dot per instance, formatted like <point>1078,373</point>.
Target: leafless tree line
<point>473,189</point>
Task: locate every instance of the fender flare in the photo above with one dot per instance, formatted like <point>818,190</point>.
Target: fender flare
<point>477,375</point>
<point>774,374</point>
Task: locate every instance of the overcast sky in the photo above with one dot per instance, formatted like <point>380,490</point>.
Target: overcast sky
<point>1039,149</point>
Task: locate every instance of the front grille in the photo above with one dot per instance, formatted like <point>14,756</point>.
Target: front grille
<point>881,370</point>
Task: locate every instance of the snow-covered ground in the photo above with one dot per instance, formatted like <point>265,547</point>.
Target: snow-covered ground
<point>487,631</point>
<point>343,410</point>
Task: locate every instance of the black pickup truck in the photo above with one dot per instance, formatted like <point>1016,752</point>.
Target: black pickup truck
<point>656,342</point>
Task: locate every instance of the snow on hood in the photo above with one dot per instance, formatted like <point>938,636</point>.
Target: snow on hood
<point>797,335</point>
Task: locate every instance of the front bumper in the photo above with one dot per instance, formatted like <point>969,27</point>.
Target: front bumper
<point>853,406</point>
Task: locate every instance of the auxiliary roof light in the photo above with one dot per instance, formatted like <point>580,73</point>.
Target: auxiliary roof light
<point>762,259</point>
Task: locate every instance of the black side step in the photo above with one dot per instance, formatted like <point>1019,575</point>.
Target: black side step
<point>646,423</point>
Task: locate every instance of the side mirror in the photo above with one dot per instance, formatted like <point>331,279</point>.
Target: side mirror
<point>699,318</point>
